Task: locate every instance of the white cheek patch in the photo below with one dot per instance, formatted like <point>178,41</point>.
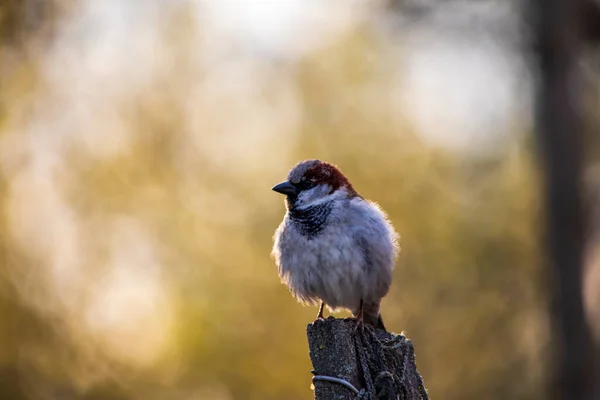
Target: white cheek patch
<point>319,195</point>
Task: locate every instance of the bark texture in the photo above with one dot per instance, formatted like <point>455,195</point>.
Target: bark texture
<point>378,364</point>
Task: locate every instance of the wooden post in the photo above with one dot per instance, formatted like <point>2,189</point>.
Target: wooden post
<point>363,363</point>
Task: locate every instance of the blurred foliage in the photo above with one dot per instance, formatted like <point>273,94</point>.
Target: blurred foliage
<point>137,216</point>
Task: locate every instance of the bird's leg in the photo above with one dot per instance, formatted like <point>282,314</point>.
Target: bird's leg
<point>360,323</point>
<point>360,314</point>
<point>320,314</point>
<point>358,318</point>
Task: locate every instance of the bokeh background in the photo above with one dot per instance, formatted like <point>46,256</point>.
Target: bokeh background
<point>139,141</point>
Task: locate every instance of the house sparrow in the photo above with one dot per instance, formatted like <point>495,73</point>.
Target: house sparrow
<point>333,246</point>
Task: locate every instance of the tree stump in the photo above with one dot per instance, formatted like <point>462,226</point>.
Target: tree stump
<point>359,362</point>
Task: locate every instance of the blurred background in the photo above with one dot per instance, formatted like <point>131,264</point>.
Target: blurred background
<point>139,141</point>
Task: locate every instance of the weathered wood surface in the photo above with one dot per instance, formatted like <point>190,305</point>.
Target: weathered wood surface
<point>380,365</point>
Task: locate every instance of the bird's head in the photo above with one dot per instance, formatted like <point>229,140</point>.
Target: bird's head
<point>313,182</point>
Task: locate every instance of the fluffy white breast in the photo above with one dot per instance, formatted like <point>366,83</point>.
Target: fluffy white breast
<point>350,259</point>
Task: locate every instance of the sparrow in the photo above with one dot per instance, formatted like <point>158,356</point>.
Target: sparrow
<point>334,247</point>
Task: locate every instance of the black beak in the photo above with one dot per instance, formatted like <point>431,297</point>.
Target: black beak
<point>286,188</point>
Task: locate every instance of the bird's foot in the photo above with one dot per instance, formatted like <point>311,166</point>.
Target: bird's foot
<point>359,317</point>
<point>358,323</point>
<point>320,317</point>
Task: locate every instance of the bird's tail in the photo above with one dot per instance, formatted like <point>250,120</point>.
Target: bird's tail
<point>380,324</point>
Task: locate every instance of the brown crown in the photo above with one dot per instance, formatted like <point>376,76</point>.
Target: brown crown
<point>324,172</point>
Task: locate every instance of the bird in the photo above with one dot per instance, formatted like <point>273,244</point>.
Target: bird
<point>334,248</point>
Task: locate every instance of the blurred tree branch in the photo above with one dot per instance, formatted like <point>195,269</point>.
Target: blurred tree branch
<point>559,36</point>
<point>591,21</point>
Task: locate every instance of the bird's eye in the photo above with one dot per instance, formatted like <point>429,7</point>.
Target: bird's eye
<point>305,184</point>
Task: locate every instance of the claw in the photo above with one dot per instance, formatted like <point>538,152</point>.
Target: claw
<point>359,324</point>
<point>359,317</point>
